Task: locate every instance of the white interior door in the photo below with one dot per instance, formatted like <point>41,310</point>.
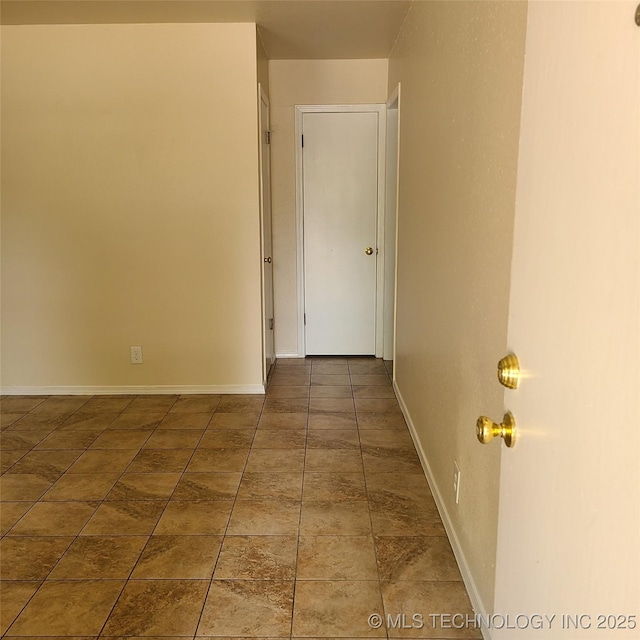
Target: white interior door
<point>267,257</point>
<point>569,523</point>
<point>340,205</point>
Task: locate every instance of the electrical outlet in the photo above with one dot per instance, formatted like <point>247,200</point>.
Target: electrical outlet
<point>456,481</point>
<point>136,355</point>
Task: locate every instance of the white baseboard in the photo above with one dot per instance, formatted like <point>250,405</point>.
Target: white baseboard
<point>288,355</point>
<point>134,390</point>
<point>467,578</point>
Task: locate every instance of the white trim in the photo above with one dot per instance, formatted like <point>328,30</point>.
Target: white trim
<point>288,355</point>
<point>134,390</point>
<point>467,578</point>
<point>380,109</point>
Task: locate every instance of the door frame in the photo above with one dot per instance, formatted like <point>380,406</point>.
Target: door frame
<point>300,110</point>
<point>263,149</point>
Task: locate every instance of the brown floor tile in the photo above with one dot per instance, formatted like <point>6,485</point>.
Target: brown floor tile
<point>61,404</point>
<point>38,422</point>
<point>331,391</point>
<point>7,419</point>
<point>54,519</point>
<point>336,609</point>
<point>99,557</point>
<point>333,487</point>
<point>390,486</point>
<point>122,439</point>
<point>279,439</point>
<point>377,405</point>
<point>375,420</point>
<point>248,608</point>
<point>89,421</point>
<point>153,404</point>
<point>196,404</point>
<point>124,518</point>
<point>234,420</point>
<point>144,486</point>
<point>271,486</point>
<point>157,607</point>
<point>285,405</point>
<point>330,460</point>
<point>257,558</point>
<point>218,460</point>
<point>359,379</point>
<point>103,461</point>
<point>275,460</point>
<point>185,518</point>
<point>178,558</point>
<point>208,486</point>
<point>189,421</point>
<point>382,460</point>
<point>332,421</point>
<point>146,420</point>
<point>241,404</point>
<point>22,440</point>
<point>283,421</point>
<point>329,368</point>
<point>336,380</point>
<point>9,458</point>
<point>14,596</point>
<point>288,392</point>
<point>347,518</point>
<point>24,558</point>
<point>81,486</point>
<point>10,513</point>
<point>290,379</point>
<point>425,598</point>
<point>333,439</point>
<point>264,517</point>
<point>108,404</point>
<point>387,438</point>
<point>67,440</point>
<point>331,406</point>
<point>227,439</point>
<point>336,558</point>
<point>174,439</point>
<point>161,461</point>
<point>20,404</point>
<point>416,558</point>
<point>46,464</point>
<point>398,517</point>
<point>364,367</point>
<point>373,391</point>
<point>23,486</point>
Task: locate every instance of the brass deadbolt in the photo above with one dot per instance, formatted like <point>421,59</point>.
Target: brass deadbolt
<point>509,371</point>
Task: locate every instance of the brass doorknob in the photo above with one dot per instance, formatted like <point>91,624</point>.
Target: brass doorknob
<point>369,250</point>
<point>487,429</point>
<point>268,259</point>
<point>509,371</point>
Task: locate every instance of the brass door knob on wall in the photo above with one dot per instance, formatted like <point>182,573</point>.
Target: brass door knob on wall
<point>487,429</point>
<point>369,250</point>
<point>509,371</point>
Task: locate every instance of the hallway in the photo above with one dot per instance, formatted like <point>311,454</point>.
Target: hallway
<point>298,514</point>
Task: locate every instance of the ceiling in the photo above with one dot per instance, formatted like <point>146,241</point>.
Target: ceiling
<point>290,29</point>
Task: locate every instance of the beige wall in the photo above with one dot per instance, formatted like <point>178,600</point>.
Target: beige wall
<point>130,205</point>
<point>460,65</point>
<point>263,64</point>
<point>296,82</point>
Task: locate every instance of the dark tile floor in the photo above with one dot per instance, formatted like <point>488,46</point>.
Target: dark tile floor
<point>295,514</point>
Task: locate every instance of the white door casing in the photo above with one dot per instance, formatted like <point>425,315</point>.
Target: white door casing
<point>569,516</point>
<point>340,196</point>
<point>266,237</point>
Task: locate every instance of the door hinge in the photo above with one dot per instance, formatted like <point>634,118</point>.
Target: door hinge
<point>271,324</point>
<point>302,140</point>
<point>305,318</point>
<point>268,137</point>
